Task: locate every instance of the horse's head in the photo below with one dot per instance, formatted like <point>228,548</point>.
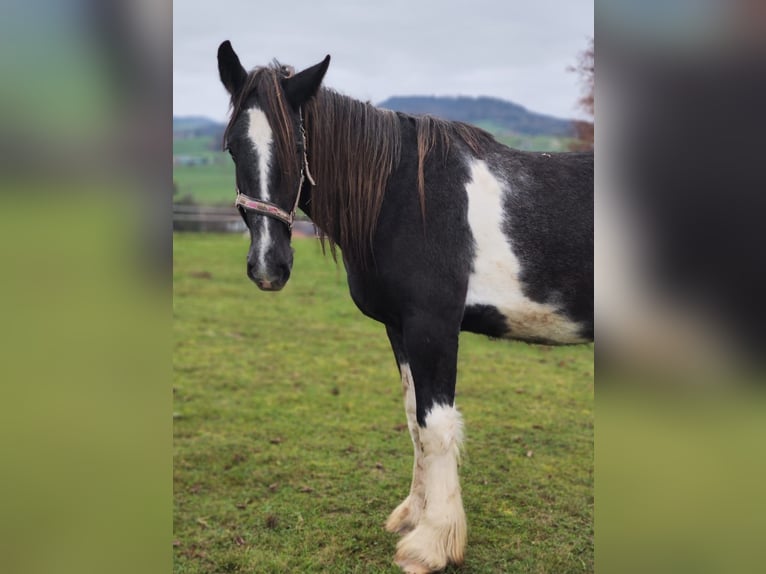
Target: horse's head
<point>266,141</point>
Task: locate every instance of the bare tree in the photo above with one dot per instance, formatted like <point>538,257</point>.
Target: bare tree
<point>585,68</point>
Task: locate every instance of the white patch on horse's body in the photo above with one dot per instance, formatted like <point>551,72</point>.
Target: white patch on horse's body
<point>495,280</point>
<point>406,516</point>
<point>261,137</point>
<point>440,535</point>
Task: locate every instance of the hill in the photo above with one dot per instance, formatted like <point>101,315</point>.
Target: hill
<point>496,115</point>
<point>485,112</point>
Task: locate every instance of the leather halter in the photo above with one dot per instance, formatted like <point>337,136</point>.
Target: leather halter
<point>270,209</point>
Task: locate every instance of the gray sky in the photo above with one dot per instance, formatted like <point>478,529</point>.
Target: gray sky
<point>518,50</point>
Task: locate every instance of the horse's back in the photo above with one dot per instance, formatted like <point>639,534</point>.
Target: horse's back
<point>531,218</point>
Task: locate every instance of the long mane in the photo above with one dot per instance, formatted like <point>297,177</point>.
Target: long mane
<point>353,148</point>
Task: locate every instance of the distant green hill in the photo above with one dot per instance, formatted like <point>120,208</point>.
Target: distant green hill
<point>504,115</point>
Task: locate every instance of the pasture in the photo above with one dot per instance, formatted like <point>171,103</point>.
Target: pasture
<point>209,184</point>
<point>290,439</point>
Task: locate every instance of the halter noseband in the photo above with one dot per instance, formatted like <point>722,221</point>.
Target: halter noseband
<point>268,208</point>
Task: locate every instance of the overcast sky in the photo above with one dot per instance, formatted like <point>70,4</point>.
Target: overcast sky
<point>518,50</point>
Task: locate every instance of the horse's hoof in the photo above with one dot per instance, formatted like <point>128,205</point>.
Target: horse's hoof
<point>413,568</point>
<point>429,548</point>
<point>414,558</point>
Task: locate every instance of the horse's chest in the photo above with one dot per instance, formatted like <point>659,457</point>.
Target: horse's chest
<point>494,283</point>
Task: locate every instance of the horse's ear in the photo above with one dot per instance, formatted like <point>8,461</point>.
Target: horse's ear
<point>304,85</point>
<point>233,75</point>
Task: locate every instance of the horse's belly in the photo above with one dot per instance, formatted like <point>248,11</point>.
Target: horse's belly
<point>495,297</point>
<point>495,305</point>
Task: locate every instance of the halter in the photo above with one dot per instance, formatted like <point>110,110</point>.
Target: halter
<point>270,209</point>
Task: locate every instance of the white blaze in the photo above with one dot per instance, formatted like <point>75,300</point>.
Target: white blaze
<point>496,269</point>
<point>261,137</point>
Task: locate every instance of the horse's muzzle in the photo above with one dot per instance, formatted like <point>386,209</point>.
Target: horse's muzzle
<point>269,281</point>
<point>264,285</point>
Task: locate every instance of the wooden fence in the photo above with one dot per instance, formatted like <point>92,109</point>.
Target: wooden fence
<point>206,218</point>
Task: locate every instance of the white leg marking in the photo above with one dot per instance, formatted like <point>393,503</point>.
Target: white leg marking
<point>440,536</point>
<point>261,137</point>
<point>407,515</point>
<point>495,278</point>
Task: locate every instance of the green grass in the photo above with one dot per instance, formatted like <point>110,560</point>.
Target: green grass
<point>202,145</point>
<point>291,446</point>
<point>527,142</point>
<point>211,184</point>
<point>535,143</point>
<point>207,184</point>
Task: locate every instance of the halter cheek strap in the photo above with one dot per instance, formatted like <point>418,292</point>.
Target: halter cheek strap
<point>266,208</point>
<point>270,209</point>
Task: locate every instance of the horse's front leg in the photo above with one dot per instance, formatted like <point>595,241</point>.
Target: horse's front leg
<point>406,516</point>
<point>438,538</point>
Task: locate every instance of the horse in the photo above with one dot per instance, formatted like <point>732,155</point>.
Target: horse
<point>441,229</point>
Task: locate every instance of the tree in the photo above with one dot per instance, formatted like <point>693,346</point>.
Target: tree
<point>585,68</point>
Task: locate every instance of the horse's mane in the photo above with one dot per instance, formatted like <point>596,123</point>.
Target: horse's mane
<point>353,149</point>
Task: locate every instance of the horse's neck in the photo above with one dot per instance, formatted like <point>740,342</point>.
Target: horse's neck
<point>353,148</point>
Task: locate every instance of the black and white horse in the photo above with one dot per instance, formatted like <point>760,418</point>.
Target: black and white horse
<point>441,229</point>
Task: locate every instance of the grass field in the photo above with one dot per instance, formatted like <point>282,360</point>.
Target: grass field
<point>527,142</point>
<point>201,145</point>
<point>291,445</point>
<point>210,184</point>
<point>206,184</point>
